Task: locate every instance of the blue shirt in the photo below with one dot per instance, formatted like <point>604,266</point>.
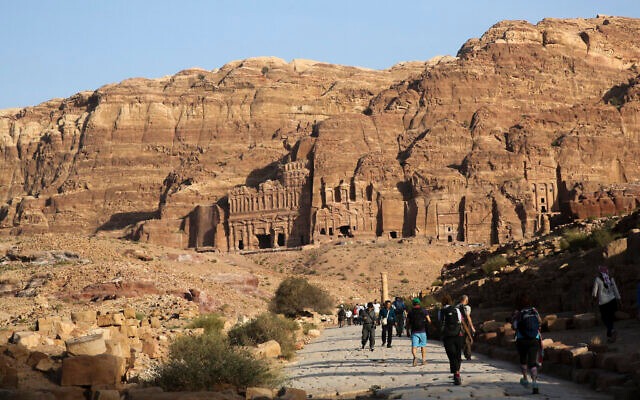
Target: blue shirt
<point>390,314</point>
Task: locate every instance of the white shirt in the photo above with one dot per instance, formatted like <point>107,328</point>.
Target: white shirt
<point>604,294</point>
<point>349,314</point>
<point>376,308</point>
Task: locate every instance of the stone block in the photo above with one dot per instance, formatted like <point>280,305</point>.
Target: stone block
<point>129,330</point>
<point>5,336</point>
<point>489,337</point>
<point>605,380</point>
<point>27,339</point>
<point>584,321</point>
<point>624,364</point>
<point>35,357</point>
<point>89,345</point>
<point>46,365</point>
<point>103,369</point>
<point>292,394</point>
<point>258,393</point>
<point>154,322</point>
<point>270,349</point>
<point>118,347</point>
<point>151,347</point>
<point>547,342</point>
<point>116,319</point>
<point>557,324</point>
<point>8,375</point>
<point>585,360</point>
<point>494,326</point>
<point>568,355</point>
<point>314,333</point>
<point>607,361</point>
<point>63,328</point>
<point>616,247</point>
<point>84,317</point>
<point>105,394</point>
<point>45,326</point>
<point>580,376</point>
<point>129,313</point>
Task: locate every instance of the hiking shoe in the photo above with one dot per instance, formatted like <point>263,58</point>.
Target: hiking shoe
<point>388,346</point>
<point>415,361</point>
<point>457,380</point>
<point>371,349</point>
<point>524,382</point>
<point>534,388</point>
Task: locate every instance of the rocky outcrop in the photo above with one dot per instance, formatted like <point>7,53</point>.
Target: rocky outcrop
<point>527,126</point>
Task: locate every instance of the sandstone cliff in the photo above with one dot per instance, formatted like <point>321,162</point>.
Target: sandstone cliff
<point>528,125</point>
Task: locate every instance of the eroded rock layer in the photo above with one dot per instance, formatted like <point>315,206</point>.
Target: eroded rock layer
<point>527,126</point>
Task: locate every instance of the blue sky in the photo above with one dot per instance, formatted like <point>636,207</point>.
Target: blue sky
<point>57,48</point>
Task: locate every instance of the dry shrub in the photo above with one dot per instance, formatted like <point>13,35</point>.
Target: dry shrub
<point>266,327</point>
<point>203,362</point>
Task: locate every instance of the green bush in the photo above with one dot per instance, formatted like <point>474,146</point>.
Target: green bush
<point>603,236</point>
<point>202,362</point>
<point>307,326</point>
<point>265,327</point>
<point>212,323</point>
<point>437,282</point>
<point>575,239</point>
<point>494,263</point>
<point>295,294</point>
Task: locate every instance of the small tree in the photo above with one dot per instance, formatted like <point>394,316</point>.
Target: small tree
<point>207,361</point>
<point>295,294</point>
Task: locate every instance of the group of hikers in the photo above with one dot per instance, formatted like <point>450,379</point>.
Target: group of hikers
<point>457,330</point>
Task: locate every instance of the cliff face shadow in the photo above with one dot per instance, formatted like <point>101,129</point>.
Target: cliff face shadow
<point>122,220</point>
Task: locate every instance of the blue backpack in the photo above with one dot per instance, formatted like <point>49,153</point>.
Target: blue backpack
<point>528,324</point>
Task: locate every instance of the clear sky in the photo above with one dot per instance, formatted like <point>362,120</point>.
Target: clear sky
<point>57,48</point>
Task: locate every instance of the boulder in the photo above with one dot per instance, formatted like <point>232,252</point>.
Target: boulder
<point>103,369</point>
<point>258,393</point>
<point>151,347</point>
<point>557,324</point>
<point>84,318</point>
<point>586,360</point>
<point>313,333</point>
<point>584,321</point>
<point>116,319</point>
<point>616,247</point>
<point>118,347</point>
<point>568,355</point>
<point>45,365</point>
<point>28,339</point>
<point>292,394</point>
<point>129,313</point>
<point>270,349</point>
<point>89,345</point>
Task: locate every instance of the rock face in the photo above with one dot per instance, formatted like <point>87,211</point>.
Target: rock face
<point>528,126</point>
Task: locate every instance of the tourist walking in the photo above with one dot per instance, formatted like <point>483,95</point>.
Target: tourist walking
<point>605,292</point>
<point>342,316</point>
<point>356,314</point>
<point>468,329</point>
<point>349,315</point>
<point>401,310</point>
<point>376,307</point>
<point>452,334</point>
<point>417,319</point>
<point>368,320</point>
<point>387,320</point>
<point>526,323</point>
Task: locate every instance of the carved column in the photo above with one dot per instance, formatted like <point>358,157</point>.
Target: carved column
<point>384,287</point>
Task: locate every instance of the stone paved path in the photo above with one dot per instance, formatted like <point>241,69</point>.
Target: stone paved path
<point>334,366</point>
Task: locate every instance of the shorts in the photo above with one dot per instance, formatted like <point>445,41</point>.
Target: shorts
<point>528,351</point>
<point>419,339</point>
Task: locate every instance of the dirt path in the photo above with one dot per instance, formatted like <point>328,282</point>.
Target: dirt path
<point>335,366</point>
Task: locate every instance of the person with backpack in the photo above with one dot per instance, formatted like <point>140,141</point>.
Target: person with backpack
<point>401,309</point>
<point>342,316</point>
<point>467,325</point>
<point>526,323</point>
<point>606,293</point>
<point>417,319</point>
<point>452,337</point>
<point>387,319</point>
<point>368,320</point>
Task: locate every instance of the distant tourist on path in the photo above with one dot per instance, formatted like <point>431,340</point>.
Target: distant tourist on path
<point>368,318</point>
<point>526,322</point>
<point>401,310</point>
<point>387,320</point>
<point>376,307</point>
<point>342,316</point>
<point>452,334</point>
<point>606,293</point>
<point>417,319</point>
<point>356,314</point>
<point>349,315</point>
<point>467,325</point>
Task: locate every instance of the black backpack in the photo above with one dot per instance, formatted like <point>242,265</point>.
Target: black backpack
<point>450,322</point>
<point>417,320</point>
<point>528,324</point>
